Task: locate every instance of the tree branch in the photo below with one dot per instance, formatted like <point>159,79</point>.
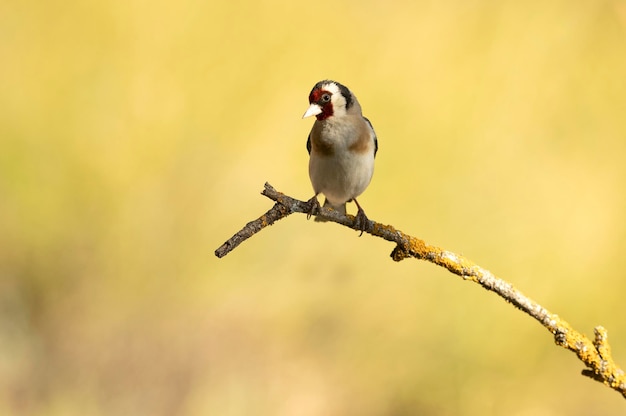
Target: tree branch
<point>595,355</point>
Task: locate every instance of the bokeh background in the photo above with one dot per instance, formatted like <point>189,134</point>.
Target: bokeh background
<point>137,135</point>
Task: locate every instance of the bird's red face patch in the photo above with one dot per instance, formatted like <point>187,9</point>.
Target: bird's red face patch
<point>316,94</point>
<point>323,99</point>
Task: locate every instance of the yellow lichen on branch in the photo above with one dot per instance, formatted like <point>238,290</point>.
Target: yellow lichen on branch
<point>595,355</point>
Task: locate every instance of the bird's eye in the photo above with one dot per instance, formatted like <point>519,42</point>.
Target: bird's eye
<point>326,98</point>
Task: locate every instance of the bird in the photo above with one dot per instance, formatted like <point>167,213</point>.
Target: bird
<point>342,146</point>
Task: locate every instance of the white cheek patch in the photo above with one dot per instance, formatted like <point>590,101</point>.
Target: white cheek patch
<point>339,102</point>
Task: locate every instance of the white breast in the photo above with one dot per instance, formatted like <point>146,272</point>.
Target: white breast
<point>344,174</point>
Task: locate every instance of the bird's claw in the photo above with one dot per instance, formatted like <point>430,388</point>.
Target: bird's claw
<point>361,221</point>
<point>314,207</point>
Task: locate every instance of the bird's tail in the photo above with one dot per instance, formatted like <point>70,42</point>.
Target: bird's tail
<point>339,208</point>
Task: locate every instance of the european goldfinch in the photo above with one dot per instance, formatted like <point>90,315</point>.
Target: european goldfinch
<point>342,146</point>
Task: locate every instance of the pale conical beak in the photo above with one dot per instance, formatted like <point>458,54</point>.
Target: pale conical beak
<point>313,110</point>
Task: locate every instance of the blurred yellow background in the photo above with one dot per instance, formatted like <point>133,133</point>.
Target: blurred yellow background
<point>137,135</point>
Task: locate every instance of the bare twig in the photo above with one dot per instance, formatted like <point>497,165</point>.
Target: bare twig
<point>595,355</point>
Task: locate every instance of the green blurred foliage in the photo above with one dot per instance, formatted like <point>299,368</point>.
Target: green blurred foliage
<point>135,137</point>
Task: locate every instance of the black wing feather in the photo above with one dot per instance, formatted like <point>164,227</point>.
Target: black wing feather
<point>308,144</point>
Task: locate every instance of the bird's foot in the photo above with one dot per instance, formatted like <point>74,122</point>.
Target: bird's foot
<point>314,207</point>
<point>361,221</point>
